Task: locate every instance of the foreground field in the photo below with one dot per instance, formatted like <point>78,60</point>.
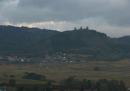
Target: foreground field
<point>118,70</point>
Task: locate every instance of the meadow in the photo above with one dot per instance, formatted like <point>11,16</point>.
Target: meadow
<point>94,70</point>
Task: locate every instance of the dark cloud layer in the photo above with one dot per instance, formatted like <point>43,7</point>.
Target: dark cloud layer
<point>113,12</point>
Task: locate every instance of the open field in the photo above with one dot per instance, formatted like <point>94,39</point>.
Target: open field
<point>119,70</point>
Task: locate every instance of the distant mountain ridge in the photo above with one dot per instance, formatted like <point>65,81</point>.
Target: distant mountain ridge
<point>23,41</point>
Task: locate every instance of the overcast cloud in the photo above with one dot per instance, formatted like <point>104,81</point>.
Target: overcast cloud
<point>109,16</point>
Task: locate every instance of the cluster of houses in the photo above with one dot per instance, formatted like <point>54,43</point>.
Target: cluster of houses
<point>12,59</point>
<point>66,58</point>
<point>57,57</point>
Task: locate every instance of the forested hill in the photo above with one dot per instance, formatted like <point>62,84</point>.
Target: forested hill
<point>23,41</point>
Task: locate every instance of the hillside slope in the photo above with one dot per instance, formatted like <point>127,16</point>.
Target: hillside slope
<point>23,41</point>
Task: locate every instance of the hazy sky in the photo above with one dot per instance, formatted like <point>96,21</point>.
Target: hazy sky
<point>108,16</point>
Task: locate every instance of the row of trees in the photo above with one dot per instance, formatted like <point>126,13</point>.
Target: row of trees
<point>73,84</point>
<point>89,85</point>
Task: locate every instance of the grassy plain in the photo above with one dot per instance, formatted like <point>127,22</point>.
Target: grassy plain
<point>119,70</point>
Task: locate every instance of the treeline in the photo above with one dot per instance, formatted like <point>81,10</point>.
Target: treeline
<point>89,85</point>
<point>70,84</point>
